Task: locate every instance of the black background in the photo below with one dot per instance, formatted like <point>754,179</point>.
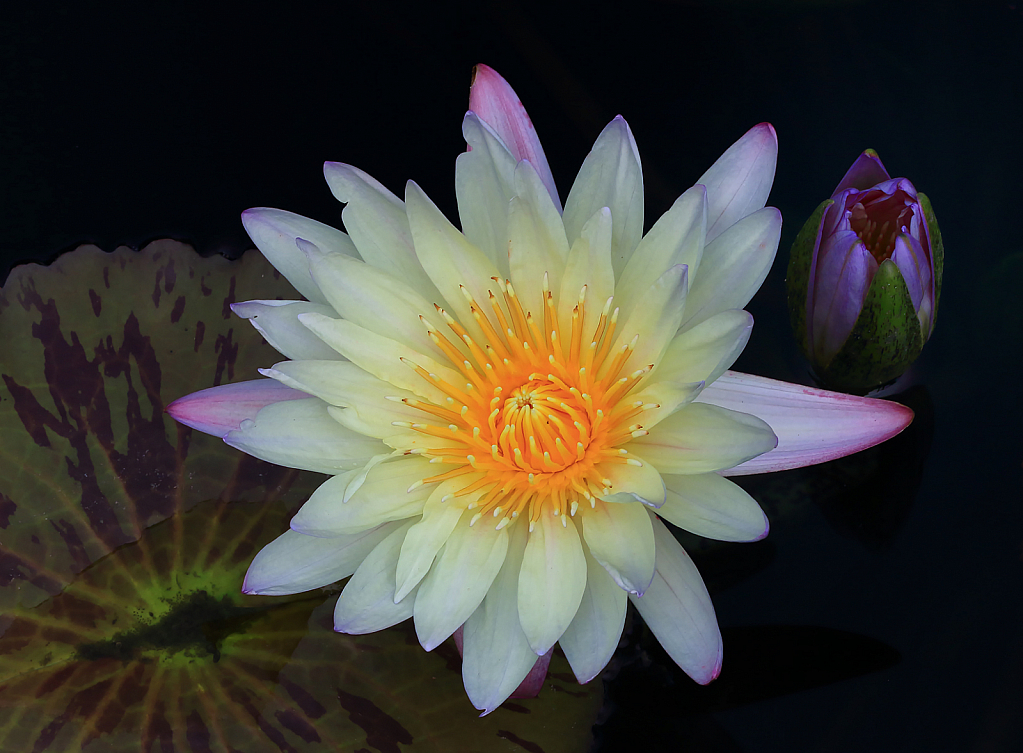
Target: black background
<point>884,611</point>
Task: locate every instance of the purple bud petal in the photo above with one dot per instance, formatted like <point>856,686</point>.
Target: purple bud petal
<point>865,172</point>
<point>219,410</point>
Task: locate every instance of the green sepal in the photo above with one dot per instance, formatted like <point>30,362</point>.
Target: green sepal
<point>885,340</point>
<point>937,254</point>
<point>797,278</point>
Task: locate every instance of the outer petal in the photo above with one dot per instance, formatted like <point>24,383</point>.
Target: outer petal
<point>592,637</point>
<point>611,176</point>
<point>458,581</point>
<point>218,410</point>
<point>367,601</point>
<point>703,353</point>
<point>277,322</point>
<point>812,425</point>
<point>537,245</point>
<point>497,656</point>
<point>589,264</point>
<point>843,274</point>
<point>734,266</point>
<point>497,105</point>
<point>676,238</point>
<point>301,434</point>
<point>739,183</point>
<point>376,221</point>
<point>711,506</point>
<point>552,581</point>
<point>865,172</point>
<point>293,563</point>
<point>702,438</point>
<point>484,183</point>
<point>678,610</point>
<point>621,539</point>
<point>383,496</point>
<point>274,232</point>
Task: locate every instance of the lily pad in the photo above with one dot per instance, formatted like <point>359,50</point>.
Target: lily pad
<point>124,538</point>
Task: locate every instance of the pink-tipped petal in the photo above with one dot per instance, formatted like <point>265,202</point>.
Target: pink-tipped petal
<point>865,172</point>
<point>219,410</point>
<point>813,426</point>
<point>497,105</point>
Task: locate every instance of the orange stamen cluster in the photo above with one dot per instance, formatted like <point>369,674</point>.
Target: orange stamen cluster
<point>539,416</point>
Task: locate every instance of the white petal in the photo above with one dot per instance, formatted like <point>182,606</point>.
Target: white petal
<point>376,221</point>
<point>708,505</point>
<point>739,183</point>
<point>274,232</point>
<point>458,581</point>
<point>734,266</point>
<point>669,397</point>
<point>293,563</point>
<point>678,610</point>
<point>375,300</point>
<point>425,538</point>
<point>621,539</point>
<point>367,601</point>
<point>449,259</point>
<point>381,356</point>
<point>552,581</point>
<point>701,438</point>
<point>301,434</point>
<point>703,353</point>
<point>611,176</point>
<point>589,264</point>
<point>633,483</point>
<point>812,425</point>
<point>277,322</point>
<point>383,496</point>
<point>484,183</point>
<point>676,238</point>
<point>496,655</point>
<point>536,239</point>
<point>592,637</point>
<point>656,320</point>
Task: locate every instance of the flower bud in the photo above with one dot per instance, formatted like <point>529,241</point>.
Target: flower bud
<point>864,278</point>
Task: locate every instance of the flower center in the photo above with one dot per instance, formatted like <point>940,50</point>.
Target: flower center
<point>539,417</point>
<point>878,219</point>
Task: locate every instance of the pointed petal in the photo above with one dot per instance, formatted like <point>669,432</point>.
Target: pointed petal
<point>218,410</point>
<point>593,635</point>
<point>293,563</point>
<point>277,322</point>
<point>496,655</point>
<point>734,266</point>
<point>367,601</point>
<point>739,183</point>
<point>536,239</point>
<point>611,176</point>
<point>865,172</point>
<point>621,539</point>
<point>376,221</point>
<point>484,184</point>
<point>589,264</point>
<point>656,321</point>
<point>552,581</point>
<point>425,538</point>
<point>711,506</point>
<point>449,259</point>
<point>812,425</point>
<point>383,496</point>
<point>458,581</point>
<point>676,238</point>
<point>701,438</point>
<point>497,105</point>
<point>677,608</point>
<point>301,434</point>
<point>704,352</point>
<point>274,232</point>
<point>842,276</point>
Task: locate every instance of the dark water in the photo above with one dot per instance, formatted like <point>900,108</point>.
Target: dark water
<point>884,610</point>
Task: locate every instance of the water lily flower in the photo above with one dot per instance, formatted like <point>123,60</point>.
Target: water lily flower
<point>864,278</point>
<point>509,413</point>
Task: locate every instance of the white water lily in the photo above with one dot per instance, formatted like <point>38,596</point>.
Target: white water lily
<point>509,412</point>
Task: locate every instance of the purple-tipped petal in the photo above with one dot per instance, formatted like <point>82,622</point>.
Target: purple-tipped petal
<point>865,172</point>
<point>739,182</point>
<point>497,105</point>
<point>219,410</point>
<point>813,426</point>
